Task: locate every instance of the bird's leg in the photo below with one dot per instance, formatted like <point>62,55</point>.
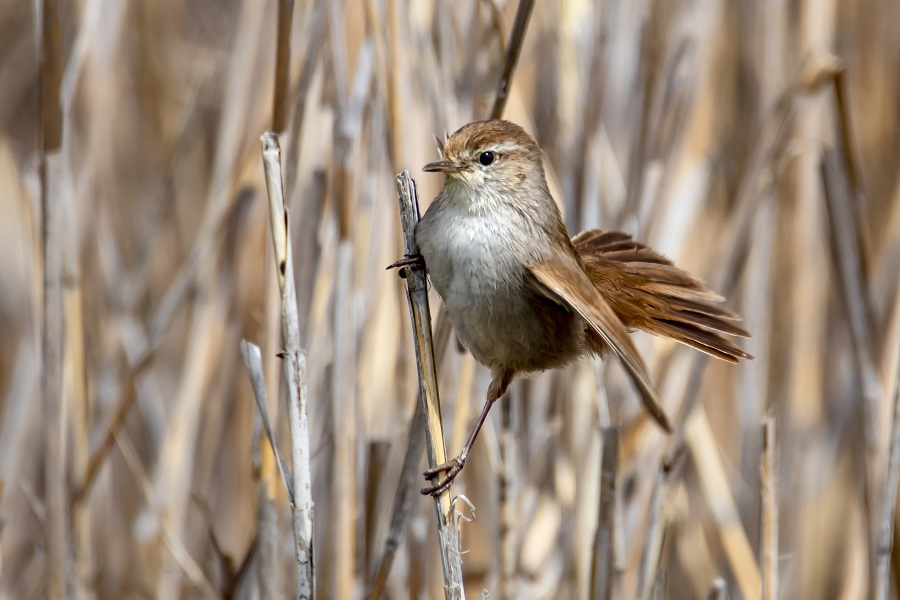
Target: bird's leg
<point>452,467</point>
<point>409,261</point>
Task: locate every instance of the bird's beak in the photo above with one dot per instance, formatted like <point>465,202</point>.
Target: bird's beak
<point>445,165</point>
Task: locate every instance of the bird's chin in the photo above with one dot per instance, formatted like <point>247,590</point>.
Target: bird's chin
<point>457,179</point>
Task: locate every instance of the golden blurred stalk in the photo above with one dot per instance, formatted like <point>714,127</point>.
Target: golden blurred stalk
<point>769,484</point>
<point>52,332</point>
<point>604,574</point>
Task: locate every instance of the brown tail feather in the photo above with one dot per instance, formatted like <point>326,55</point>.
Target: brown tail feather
<point>701,320</point>
<point>704,309</point>
<point>648,292</point>
<point>705,341</point>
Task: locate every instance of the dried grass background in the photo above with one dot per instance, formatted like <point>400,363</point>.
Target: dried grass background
<point>700,126</point>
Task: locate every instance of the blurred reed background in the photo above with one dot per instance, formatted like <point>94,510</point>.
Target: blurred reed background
<point>710,129</point>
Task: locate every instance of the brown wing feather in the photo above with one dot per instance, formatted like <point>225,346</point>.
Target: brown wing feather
<point>648,292</point>
<point>616,244</point>
<point>563,280</point>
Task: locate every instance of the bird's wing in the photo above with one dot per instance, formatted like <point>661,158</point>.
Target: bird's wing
<point>563,279</point>
<point>662,299</point>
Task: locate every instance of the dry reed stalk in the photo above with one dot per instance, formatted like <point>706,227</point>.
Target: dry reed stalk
<point>253,363</point>
<point>76,396</point>
<point>51,74</point>
<point>128,394</point>
<point>375,463</point>
<point>170,538</point>
<point>280,96</point>
<point>402,505</point>
<point>294,371</point>
<point>269,464</point>
<point>847,251</point>
<point>417,295</point>
<point>345,426</point>
<point>734,246</point>
<point>54,409</point>
<point>232,572</point>
<point>851,160</point>
<point>267,534</point>
<point>885,548</point>
<point>394,97</point>
<point>497,22</point>
<point>506,499</point>
<point>513,51</point>
<point>268,578</point>
<point>603,569</point>
<point>174,476</point>
<point>463,405</point>
<point>668,121</point>
<point>405,493</point>
<point>714,486</point>
<point>447,109</point>
<point>655,534</point>
<point>648,64</point>
<point>56,528</point>
<point>308,250</point>
<point>586,135</point>
<point>345,411</point>
<point>768,470</point>
<point>152,72</point>
<point>312,35</point>
<point>282,86</point>
<point>205,244</point>
<point>719,590</point>
<point>661,585</point>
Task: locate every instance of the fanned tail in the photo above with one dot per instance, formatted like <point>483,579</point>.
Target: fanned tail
<point>648,292</point>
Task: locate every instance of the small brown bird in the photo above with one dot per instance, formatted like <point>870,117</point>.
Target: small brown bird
<point>524,297</point>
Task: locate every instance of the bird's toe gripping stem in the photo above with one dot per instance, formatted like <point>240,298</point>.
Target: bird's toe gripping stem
<point>409,261</point>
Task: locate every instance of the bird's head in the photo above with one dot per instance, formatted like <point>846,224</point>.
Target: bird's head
<point>491,157</point>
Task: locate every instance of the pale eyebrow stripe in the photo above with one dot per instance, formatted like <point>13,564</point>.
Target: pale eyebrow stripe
<point>507,147</point>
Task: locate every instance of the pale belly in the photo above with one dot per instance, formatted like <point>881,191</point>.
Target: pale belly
<point>480,275</point>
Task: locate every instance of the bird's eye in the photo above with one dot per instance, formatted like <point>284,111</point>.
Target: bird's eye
<point>486,158</point>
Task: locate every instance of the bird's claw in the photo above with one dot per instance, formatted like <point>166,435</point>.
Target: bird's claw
<point>452,468</point>
<point>409,261</point>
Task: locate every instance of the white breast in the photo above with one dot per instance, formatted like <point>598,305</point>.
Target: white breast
<point>477,264</point>
<point>470,255</point>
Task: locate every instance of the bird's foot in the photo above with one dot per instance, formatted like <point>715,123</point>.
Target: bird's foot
<point>409,261</point>
<point>451,468</point>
